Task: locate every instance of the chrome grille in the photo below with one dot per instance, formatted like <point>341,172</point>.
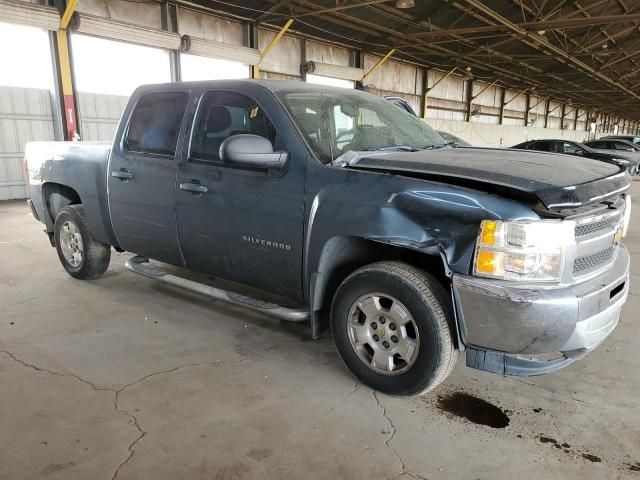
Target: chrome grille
<point>593,229</point>
<point>591,263</point>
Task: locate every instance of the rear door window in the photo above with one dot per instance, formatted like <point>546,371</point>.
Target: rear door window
<point>155,123</point>
<point>542,146</point>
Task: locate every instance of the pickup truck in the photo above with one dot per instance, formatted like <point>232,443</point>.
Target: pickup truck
<point>409,250</point>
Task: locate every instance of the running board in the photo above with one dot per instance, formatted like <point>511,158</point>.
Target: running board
<point>140,265</point>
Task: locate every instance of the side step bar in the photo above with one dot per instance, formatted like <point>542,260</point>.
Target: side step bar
<point>140,265</point>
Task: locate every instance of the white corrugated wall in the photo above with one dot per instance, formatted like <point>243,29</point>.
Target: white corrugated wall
<point>99,115</point>
<point>25,115</point>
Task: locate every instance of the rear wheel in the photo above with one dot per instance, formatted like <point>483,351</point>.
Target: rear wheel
<point>81,255</point>
<point>390,323</point>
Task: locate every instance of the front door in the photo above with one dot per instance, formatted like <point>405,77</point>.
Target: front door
<point>142,177</point>
<point>240,224</point>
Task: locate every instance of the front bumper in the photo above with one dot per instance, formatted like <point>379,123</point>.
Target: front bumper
<point>496,316</point>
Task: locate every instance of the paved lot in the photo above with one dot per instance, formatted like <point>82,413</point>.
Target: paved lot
<point>125,378</point>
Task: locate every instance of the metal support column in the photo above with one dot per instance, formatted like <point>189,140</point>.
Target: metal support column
<point>303,59</point>
<point>423,89</point>
<point>469,100</point>
<point>503,93</point>
<point>64,72</point>
<point>547,102</point>
<point>169,23</point>
<point>252,41</point>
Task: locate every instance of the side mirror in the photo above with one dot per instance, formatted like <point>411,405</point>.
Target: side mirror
<point>251,151</point>
<point>580,153</point>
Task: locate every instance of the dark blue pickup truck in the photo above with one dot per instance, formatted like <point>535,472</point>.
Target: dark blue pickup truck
<point>359,215</point>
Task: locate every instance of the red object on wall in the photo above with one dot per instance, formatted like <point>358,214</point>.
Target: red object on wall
<point>70,118</point>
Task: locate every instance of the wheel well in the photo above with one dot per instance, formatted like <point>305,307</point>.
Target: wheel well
<point>56,197</point>
<point>343,255</point>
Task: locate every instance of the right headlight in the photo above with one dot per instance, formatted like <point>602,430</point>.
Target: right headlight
<point>523,250</point>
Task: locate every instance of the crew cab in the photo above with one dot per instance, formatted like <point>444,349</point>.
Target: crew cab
<point>410,250</point>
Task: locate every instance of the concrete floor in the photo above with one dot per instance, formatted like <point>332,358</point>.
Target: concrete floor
<point>125,378</point>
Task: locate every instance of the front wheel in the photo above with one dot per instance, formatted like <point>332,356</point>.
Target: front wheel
<point>81,255</point>
<point>390,324</point>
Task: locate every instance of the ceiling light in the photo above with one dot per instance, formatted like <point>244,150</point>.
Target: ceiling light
<point>405,3</point>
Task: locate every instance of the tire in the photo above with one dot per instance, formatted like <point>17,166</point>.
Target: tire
<point>71,230</point>
<point>425,338</point>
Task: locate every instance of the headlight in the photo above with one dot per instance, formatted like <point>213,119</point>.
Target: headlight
<point>627,214</point>
<point>523,250</point>
<point>622,161</point>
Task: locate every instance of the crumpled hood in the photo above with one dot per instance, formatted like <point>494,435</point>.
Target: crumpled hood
<point>556,180</point>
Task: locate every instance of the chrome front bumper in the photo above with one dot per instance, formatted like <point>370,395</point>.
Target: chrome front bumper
<point>500,317</point>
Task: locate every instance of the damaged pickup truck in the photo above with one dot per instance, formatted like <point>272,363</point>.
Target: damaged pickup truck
<point>359,215</point>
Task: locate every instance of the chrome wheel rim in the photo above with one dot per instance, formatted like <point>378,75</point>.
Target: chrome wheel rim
<point>71,243</point>
<point>383,333</point>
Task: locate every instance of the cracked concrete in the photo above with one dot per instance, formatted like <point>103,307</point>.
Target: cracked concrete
<point>122,378</point>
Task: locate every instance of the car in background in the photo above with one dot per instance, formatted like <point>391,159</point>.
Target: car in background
<point>452,140</point>
<point>635,139</point>
<point>569,147</point>
<point>615,145</point>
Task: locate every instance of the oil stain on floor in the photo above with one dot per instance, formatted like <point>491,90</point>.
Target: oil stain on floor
<point>474,409</point>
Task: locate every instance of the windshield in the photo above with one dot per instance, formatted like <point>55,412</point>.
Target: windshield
<point>336,122</point>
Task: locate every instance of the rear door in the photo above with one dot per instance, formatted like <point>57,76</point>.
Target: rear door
<point>142,177</point>
<point>236,223</point>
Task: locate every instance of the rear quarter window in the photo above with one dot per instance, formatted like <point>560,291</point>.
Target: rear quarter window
<point>155,123</point>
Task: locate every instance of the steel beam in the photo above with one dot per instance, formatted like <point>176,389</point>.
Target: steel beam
<point>68,13</point>
<point>532,26</point>
<point>549,46</point>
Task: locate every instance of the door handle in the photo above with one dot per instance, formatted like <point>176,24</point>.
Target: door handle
<point>193,188</point>
<point>122,174</point>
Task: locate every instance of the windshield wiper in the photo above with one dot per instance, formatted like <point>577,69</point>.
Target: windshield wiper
<point>436,146</point>
<point>408,148</point>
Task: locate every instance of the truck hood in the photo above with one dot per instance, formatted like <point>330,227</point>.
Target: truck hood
<point>558,181</point>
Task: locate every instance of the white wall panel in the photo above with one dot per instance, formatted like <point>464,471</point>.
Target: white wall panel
<point>209,27</point>
<point>393,76</point>
<point>453,88</point>
<point>515,100</point>
<point>99,115</point>
<point>139,13</point>
<point>25,116</point>
<point>284,58</point>
<point>325,53</point>
<point>489,97</point>
<point>555,110</point>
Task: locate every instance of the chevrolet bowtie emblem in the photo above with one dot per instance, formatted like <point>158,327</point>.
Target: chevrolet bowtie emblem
<point>617,238</point>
